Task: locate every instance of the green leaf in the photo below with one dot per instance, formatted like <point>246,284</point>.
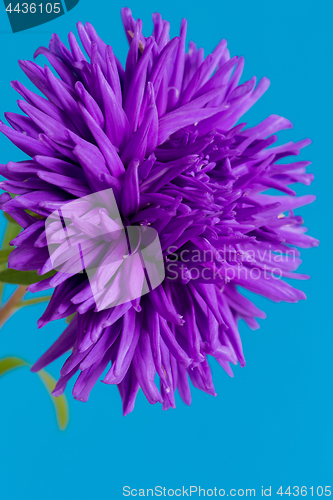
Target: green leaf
<point>10,218</point>
<point>4,254</point>
<point>22,277</point>
<point>34,214</point>
<point>12,230</point>
<point>60,402</point>
<point>70,318</point>
<point>9,363</point>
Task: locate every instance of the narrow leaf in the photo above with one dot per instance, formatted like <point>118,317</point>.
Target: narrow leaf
<point>37,300</point>
<point>12,230</point>
<point>9,363</point>
<point>10,219</point>
<point>22,277</point>
<point>60,402</point>
<point>4,254</point>
<point>70,318</point>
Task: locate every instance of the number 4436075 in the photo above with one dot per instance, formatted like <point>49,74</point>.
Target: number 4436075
<point>33,8</point>
<point>304,491</point>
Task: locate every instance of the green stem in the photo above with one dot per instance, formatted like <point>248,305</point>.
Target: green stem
<point>8,309</point>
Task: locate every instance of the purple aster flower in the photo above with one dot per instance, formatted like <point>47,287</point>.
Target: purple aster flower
<point>163,135</point>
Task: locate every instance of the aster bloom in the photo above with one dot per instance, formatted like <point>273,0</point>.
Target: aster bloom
<point>163,135</point>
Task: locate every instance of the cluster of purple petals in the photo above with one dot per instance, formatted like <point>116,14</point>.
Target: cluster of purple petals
<point>163,133</point>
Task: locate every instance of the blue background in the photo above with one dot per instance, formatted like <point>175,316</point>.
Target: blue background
<point>270,425</point>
